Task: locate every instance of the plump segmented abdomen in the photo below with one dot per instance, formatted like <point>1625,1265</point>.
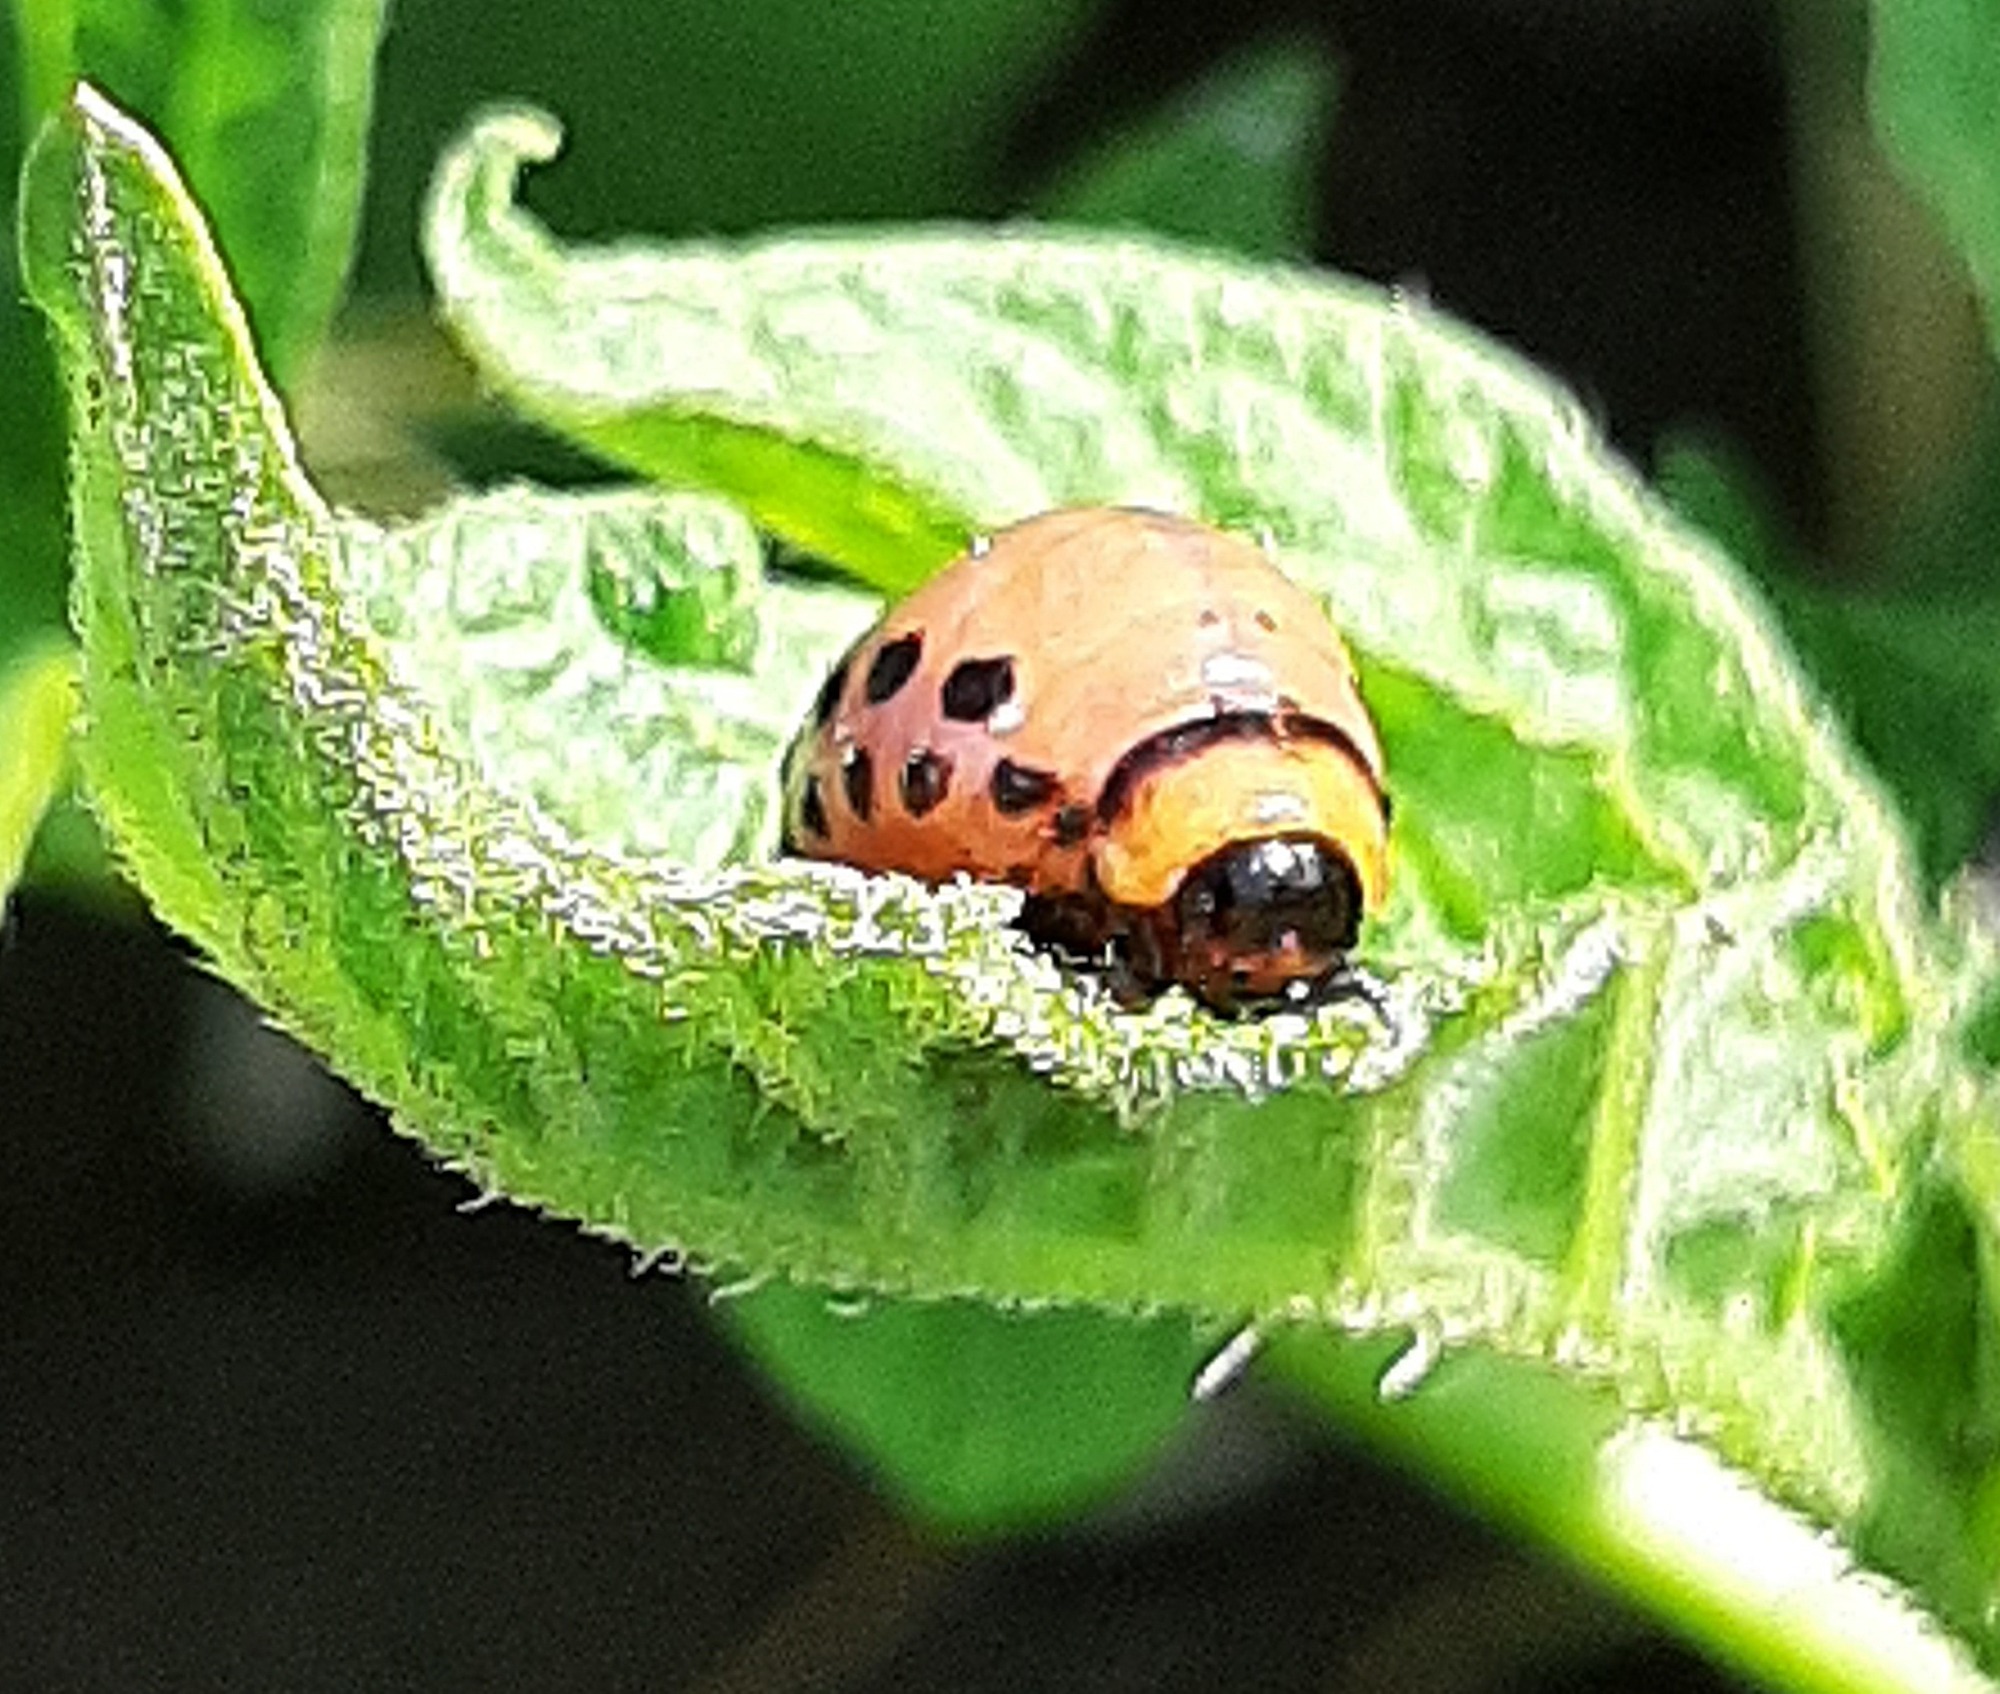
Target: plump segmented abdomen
<point>1006,717</point>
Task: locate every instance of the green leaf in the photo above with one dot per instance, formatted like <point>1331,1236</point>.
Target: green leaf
<point>32,552</point>
<point>266,110</point>
<point>1667,1088</point>
<point>1235,161</point>
<point>1906,656</point>
<point>612,660</point>
<point>1916,682</point>
<point>978,1418</point>
<point>37,701</point>
<point>1935,101</point>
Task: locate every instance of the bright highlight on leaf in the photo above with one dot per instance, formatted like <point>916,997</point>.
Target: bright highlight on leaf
<point>481,807</point>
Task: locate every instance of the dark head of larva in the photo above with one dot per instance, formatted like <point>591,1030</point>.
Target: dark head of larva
<point>1257,926</point>
<point>1252,920</point>
<point>1243,849</point>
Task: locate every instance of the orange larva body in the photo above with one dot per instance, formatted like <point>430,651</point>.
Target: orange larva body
<point>1095,706</point>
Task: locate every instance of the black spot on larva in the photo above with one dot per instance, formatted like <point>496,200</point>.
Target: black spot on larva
<point>891,668</point>
<point>857,781</point>
<point>812,809</point>
<point>1021,788</point>
<point>975,687</point>
<point>1209,618</point>
<point>1072,824</point>
<point>827,701</point>
<point>924,781</point>
<point>1265,620</point>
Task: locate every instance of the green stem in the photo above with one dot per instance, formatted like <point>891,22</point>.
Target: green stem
<point>1659,1519</point>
